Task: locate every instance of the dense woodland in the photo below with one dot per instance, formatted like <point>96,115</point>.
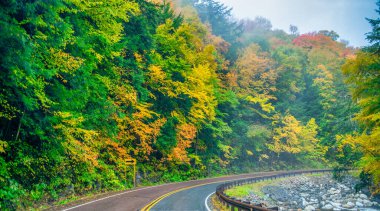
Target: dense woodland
<point>182,87</point>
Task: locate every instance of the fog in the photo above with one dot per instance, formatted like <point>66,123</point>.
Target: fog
<point>346,17</point>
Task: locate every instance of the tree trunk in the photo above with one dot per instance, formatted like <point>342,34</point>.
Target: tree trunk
<point>19,126</point>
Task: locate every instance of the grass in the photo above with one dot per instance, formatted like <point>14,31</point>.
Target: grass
<point>244,190</point>
<point>217,205</point>
<point>255,188</point>
<point>68,200</point>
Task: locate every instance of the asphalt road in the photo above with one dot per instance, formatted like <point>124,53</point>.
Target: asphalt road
<point>186,200</point>
<point>190,199</point>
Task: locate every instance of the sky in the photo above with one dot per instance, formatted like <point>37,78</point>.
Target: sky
<point>346,17</point>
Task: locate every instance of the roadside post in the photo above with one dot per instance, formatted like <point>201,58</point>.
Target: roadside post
<point>130,162</point>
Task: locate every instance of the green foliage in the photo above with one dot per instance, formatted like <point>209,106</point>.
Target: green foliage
<point>373,36</point>
<point>362,75</point>
<point>88,84</point>
<point>220,19</point>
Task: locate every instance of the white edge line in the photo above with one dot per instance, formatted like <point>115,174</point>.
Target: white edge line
<point>207,207</point>
<point>130,191</point>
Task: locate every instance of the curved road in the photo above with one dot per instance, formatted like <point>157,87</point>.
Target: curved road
<point>191,199</point>
<point>180,196</point>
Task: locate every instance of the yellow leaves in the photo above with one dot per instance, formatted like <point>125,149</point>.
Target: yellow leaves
<point>140,131</point>
<point>200,88</point>
<point>3,145</point>
<point>250,153</point>
<point>231,79</point>
<point>68,118</point>
<point>220,44</point>
<point>198,161</point>
<point>143,112</point>
<point>79,143</point>
<point>310,143</point>
<point>294,138</point>
<point>62,61</point>
<point>156,1</point>
<point>263,156</point>
<point>342,141</point>
<point>263,102</point>
<point>125,95</point>
<point>227,152</point>
<point>160,82</point>
<point>368,144</point>
<point>255,77</point>
<point>370,161</point>
<point>200,75</point>
<point>156,74</point>
<point>187,131</point>
<point>140,127</point>
<point>138,57</point>
<point>324,82</point>
<point>107,15</point>
<point>362,73</point>
<point>7,111</point>
<point>185,134</point>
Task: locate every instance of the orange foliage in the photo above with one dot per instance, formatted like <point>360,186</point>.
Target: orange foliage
<point>80,144</point>
<point>320,41</point>
<point>220,44</point>
<point>186,133</point>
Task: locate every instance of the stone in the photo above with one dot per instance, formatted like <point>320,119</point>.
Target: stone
<point>359,204</point>
<point>309,193</point>
<point>309,208</point>
<point>277,193</point>
<point>304,202</point>
<point>328,207</point>
<point>336,204</point>
<point>331,191</point>
<point>349,205</point>
<point>313,200</point>
<point>367,203</point>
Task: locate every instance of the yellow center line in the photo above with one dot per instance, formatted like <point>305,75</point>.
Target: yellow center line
<point>157,200</point>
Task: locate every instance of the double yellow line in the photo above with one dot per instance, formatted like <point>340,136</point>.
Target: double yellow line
<point>156,201</point>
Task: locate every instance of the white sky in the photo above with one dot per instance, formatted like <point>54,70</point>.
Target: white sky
<point>346,17</point>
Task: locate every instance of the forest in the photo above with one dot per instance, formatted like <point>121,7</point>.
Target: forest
<point>181,86</point>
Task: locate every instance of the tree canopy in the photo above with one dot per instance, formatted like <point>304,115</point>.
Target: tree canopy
<point>182,87</point>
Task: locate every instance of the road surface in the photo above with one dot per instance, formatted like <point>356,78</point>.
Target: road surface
<point>174,196</point>
<point>190,199</point>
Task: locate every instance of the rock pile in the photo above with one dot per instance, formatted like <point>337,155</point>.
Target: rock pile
<point>314,193</point>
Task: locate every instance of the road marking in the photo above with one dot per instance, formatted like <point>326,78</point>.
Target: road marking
<point>168,194</point>
<point>130,191</point>
<point>206,204</point>
<point>157,200</point>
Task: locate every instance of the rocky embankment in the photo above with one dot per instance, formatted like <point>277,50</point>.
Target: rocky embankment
<point>314,193</point>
